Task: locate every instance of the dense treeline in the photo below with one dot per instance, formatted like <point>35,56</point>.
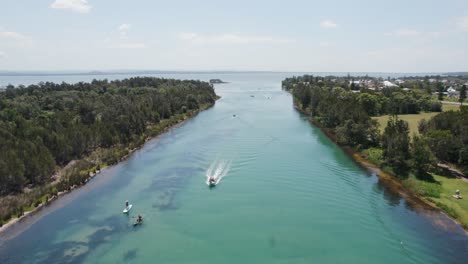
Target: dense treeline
<point>389,100</point>
<point>447,136</point>
<point>332,103</point>
<point>49,124</point>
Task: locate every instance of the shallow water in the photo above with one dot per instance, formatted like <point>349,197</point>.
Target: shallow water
<point>287,194</point>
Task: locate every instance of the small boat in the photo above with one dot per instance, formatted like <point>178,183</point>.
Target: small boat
<point>212,182</point>
<point>127,209</point>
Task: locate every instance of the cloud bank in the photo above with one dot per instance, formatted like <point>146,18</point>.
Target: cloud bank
<point>79,6</point>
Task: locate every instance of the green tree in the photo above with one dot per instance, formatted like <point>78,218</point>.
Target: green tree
<point>444,144</point>
<point>462,94</point>
<point>440,91</point>
<point>395,144</point>
<point>421,157</point>
<point>369,103</point>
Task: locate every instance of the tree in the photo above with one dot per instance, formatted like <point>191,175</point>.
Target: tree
<point>444,144</point>
<point>395,144</point>
<point>353,85</point>
<point>306,99</point>
<point>421,157</point>
<point>369,103</point>
<point>462,94</point>
<point>440,91</point>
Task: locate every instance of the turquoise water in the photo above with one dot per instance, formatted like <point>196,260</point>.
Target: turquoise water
<point>286,195</point>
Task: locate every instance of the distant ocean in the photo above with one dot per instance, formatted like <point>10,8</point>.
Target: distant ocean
<point>28,78</point>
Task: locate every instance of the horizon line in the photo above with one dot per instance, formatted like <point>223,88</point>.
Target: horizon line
<point>128,71</point>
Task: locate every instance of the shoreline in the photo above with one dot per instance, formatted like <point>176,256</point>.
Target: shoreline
<point>390,181</point>
<point>17,220</point>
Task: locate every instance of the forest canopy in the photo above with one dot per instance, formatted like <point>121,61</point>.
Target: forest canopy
<point>49,124</point>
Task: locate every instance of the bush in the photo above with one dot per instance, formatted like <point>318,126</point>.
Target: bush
<point>374,155</point>
<point>423,188</point>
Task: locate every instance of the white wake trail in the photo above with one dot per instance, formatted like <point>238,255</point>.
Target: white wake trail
<point>218,170</point>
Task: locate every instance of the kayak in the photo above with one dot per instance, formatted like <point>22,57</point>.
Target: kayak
<point>127,209</point>
<point>138,223</point>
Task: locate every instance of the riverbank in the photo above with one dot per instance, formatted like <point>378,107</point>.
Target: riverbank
<point>388,179</point>
<point>51,192</point>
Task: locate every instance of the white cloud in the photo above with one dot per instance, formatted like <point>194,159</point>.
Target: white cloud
<point>406,32</point>
<point>412,33</point>
<point>2,54</point>
<point>434,34</point>
<point>79,6</point>
<point>14,38</point>
<point>129,45</point>
<point>403,33</point>
<point>462,23</point>
<point>12,35</point>
<point>328,24</point>
<point>123,29</point>
<point>229,38</point>
<point>325,44</point>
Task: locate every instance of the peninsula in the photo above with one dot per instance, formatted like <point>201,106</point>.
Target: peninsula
<point>54,137</point>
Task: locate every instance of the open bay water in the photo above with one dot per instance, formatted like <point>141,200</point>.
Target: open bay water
<point>287,194</point>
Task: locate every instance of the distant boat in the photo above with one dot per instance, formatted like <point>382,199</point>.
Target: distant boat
<point>216,81</point>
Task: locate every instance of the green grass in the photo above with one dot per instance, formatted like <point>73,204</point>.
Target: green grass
<point>424,188</point>
<point>440,192</point>
<point>448,107</point>
<point>414,119</point>
<point>459,206</point>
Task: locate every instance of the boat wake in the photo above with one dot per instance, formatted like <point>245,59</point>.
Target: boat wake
<point>217,170</point>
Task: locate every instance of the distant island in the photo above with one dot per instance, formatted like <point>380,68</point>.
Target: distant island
<point>216,81</point>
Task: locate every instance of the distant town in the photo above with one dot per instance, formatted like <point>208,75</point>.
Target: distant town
<point>445,86</point>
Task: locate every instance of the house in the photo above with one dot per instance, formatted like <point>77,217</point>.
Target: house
<point>389,84</point>
<point>452,93</point>
<point>451,90</point>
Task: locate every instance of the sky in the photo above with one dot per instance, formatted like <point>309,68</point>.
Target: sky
<point>208,35</point>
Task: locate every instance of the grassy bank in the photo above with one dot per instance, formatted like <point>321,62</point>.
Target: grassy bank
<point>413,119</point>
<point>79,172</point>
<point>440,192</point>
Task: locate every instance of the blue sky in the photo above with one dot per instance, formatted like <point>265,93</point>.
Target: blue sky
<point>294,35</point>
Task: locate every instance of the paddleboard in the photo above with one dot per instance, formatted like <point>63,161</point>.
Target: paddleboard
<point>126,210</point>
